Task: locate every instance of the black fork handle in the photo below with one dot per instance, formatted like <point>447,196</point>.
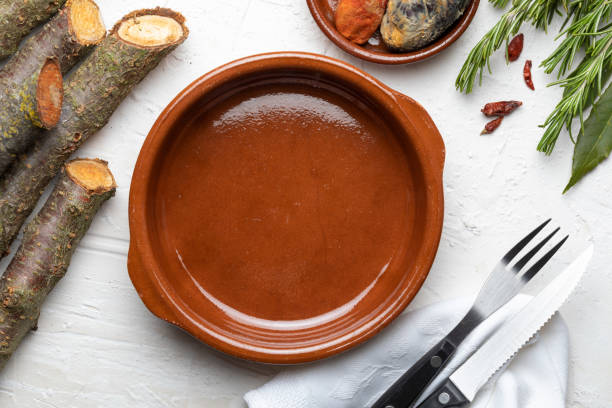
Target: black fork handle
<point>405,391</point>
<point>413,382</point>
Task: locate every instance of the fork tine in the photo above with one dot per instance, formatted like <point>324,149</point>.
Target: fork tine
<point>540,264</point>
<point>518,247</point>
<point>523,261</point>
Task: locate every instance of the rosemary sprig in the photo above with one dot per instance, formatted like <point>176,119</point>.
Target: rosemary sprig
<point>587,18</point>
<point>586,26</point>
<point>579,89</point>
<point>499,3</point>
<point>538,12</point>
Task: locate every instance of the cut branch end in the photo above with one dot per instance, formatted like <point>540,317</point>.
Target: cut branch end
<point>49,93</point>
<point>91,174</point>
<point>152,28</point>
<point>86,22</point>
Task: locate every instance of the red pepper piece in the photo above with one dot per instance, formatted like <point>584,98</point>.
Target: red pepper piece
<point>500,108</point>
<point>515,47</point>
<point>527,75</point>
<point>492,125</point>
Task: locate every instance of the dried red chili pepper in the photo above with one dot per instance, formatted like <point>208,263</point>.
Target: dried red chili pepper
<point>527,75</point>
<point>500,108</point>
<point>515,47</point>
<point>492,125</point>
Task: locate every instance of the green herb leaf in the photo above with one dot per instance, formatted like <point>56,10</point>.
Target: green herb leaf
<point>499,3</point>
<point>595,140</point>
<point>538,12</point>
<point>578,87</point>
<point>593,92</point>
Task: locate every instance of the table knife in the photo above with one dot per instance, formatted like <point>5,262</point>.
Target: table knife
<point>463,385</point>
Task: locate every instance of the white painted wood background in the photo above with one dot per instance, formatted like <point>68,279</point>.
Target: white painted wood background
<point>98,346</point>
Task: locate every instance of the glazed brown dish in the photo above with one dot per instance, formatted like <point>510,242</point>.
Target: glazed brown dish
<point>285,207</point>
<point>375,50</point>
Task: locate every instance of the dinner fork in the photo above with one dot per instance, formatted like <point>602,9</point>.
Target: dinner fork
<point>503,283</point>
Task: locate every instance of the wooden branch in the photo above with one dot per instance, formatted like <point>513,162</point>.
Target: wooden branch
<point>69,36</point>
<point>91,94</point>
<point>48,244</point>
<point>36,104</point>
<point>19,17</point>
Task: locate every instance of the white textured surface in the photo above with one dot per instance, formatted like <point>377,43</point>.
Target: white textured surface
<point>98,346</point>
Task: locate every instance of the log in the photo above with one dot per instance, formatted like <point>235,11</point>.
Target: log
<point>133,48</point>
<point>68,36</point>
<point>36,104</point>
<point>19,17</point>
<point>49,241</point>
<point>72,33</point>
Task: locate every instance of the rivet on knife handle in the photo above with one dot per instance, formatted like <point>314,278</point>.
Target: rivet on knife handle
<point>410,385</point>
<point>446,396</point>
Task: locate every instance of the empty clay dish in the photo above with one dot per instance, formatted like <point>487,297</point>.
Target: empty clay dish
<point>285,207</point>
<point>375,50</point>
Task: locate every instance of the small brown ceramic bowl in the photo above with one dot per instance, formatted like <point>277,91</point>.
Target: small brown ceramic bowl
<point>285,207</point>
<point>375,51</point>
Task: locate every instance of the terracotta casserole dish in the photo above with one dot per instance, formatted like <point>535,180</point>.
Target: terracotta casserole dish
<point>285,207</point>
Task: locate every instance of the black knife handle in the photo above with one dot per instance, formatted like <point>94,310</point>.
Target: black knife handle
<point>445,396</point>
<point>409,387</point>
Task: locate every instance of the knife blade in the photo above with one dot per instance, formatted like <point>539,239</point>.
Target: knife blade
<point>463,385</point>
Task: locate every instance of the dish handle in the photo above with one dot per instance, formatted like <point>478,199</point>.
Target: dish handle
<point>415,113</point>
<point>146,288</point>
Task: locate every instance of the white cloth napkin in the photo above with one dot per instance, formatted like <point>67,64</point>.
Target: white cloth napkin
<point>536,378</point>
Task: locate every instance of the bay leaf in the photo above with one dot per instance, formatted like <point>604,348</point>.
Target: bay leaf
<point>594,142</point>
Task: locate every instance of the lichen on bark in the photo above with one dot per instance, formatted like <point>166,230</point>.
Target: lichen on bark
<point>35,105</point>
<point>19,17</point>
<point>57,38</point>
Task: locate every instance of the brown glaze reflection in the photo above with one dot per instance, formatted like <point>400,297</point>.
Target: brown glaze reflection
<point>284,202</point>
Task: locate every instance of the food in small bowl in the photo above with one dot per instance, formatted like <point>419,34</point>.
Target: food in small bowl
<point>358,20</point>
<point>348,24</point>
<point>408,25</point>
